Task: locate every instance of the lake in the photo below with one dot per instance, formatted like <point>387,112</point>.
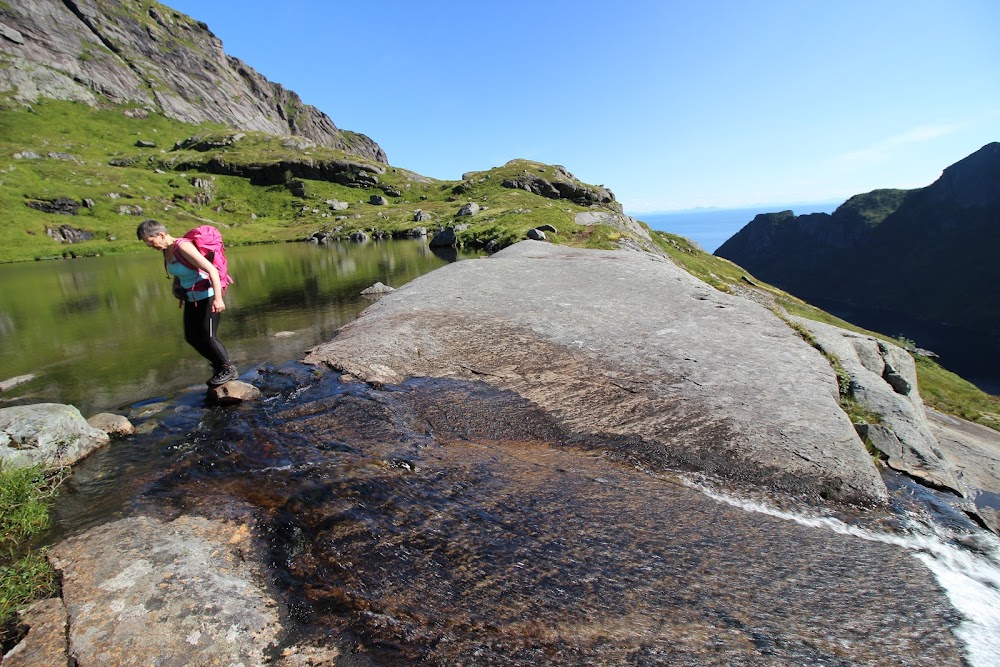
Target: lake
<point>103,332</point>
<point>711,227</point>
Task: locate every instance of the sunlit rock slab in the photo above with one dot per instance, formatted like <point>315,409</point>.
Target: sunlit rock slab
<point>628,345</point>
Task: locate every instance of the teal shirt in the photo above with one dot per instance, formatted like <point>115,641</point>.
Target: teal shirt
<point>196,283</point>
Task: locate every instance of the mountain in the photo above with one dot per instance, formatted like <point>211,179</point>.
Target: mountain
<point>146,55</point>
<point>112,111</point>
<point>927,254</point>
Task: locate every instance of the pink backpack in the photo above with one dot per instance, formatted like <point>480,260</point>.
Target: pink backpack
<point>208,241</point>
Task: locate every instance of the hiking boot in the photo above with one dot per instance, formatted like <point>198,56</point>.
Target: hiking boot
<point>226,374</point>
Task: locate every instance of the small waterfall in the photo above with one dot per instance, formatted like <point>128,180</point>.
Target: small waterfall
<point>966,564</point>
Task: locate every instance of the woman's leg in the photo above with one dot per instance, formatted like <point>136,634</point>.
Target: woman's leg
<point>200,328</point>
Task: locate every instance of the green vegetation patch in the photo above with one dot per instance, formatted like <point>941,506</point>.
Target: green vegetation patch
<point>718,272</point>
<point>122,165</point>
<point>25,498</point>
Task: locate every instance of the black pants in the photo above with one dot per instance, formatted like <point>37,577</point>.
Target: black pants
<point>200,327</point>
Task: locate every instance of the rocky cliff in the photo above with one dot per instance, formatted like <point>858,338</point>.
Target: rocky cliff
<point>150,56</point>
<point>912,252</point>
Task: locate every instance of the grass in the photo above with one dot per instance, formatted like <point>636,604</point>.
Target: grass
<point>26,495</point>
<point>160,181</point>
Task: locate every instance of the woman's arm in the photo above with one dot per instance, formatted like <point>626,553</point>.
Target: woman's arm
<point>197,260</point>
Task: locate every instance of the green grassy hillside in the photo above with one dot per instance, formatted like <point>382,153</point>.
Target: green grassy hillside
<point>259,188</point>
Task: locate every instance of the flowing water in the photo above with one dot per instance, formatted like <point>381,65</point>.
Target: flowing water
<point>444,522</point>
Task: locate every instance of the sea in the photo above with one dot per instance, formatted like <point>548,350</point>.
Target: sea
<point>711,227</point>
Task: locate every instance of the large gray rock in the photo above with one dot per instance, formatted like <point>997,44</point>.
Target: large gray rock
<point>629,348</point>
<point>469,209</point>
<point>50,434</point>
<point>884,380</point>
<point>141,591</point>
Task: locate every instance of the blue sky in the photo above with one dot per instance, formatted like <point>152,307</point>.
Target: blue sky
<point>671,104</point>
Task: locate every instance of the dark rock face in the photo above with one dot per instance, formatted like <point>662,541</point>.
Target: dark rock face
<point>67,234</point>
<point>59,205</point>
<point>159,59</point>
<point>918,253</point>
<point>345,172</point>
<point>576,192</point>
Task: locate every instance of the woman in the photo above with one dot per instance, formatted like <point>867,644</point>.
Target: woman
<point>202,296</point>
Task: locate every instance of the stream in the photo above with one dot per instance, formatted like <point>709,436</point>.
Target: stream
<point>446,522</point>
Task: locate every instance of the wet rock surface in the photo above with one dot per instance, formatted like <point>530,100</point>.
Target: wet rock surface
<point>629,346</point>
<point>444,521</point>
<point>973,451</point>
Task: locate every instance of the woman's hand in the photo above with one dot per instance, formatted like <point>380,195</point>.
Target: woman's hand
<point>218,305</point>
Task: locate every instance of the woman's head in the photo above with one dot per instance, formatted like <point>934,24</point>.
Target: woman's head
<point>149,228</point>
<point>154,234</point>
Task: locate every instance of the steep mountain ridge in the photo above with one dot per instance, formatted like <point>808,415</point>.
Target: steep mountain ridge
<point>919,253</point>
<point>142,53</point>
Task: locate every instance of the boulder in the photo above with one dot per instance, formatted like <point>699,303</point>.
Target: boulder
<point>378,200</point>
<point>336,205</point>
<point>536,234</point>
<point>233,392</point>
<point>51,434</point>
<point>112,424</point>
<point>141,591</point>
<point>378,288</point>
<point>469,209</point>
<point>421,216</point>
<point>358,237</point>
<point>884,381</point>
<point>444,238</point>
<point>142,143</point>
<point>617,220</point>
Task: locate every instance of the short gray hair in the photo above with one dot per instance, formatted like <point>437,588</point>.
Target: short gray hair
<point>149,228</point>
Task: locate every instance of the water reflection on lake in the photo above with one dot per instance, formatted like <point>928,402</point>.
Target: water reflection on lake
<point>103,332</point>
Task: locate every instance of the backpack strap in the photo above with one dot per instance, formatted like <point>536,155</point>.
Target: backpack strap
<point>179,257</point>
